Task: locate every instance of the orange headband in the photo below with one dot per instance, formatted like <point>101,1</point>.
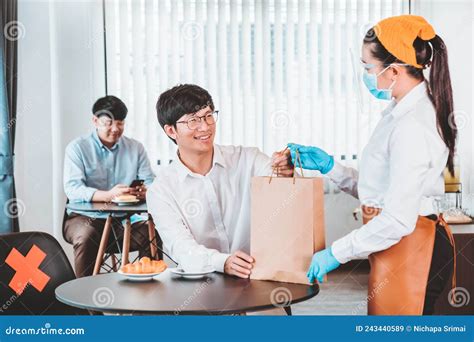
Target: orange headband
<point>397,35</point>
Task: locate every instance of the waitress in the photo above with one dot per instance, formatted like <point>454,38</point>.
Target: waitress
<point>409,245</point>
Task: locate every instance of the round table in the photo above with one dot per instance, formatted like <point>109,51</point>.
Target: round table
<point>169,294</point>
<point>108,207</point>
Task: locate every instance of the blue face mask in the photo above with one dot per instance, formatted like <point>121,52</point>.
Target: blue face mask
<point>370,81</point>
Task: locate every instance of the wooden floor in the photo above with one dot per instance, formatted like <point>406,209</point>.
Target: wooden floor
<point>344,293</point>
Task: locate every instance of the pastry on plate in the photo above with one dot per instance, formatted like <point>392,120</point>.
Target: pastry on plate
<point>125,198</point>
<point>144,266</point>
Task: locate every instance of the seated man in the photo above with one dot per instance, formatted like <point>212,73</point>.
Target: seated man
<point>97,168</point>
<point>201,201</point>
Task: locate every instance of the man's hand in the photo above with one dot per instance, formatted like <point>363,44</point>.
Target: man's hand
<point>139,191</point>
<point>239,264</point>
<point>281,161</point>
<point>119,189</point>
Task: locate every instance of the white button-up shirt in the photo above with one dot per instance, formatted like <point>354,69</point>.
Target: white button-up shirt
<point>208,213</point>
<point>400,171</point>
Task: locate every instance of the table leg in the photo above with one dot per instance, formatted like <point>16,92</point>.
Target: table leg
<point>152,237</point>
<point>114,263</point>
<point>126,241</point>
<point>103,245</point>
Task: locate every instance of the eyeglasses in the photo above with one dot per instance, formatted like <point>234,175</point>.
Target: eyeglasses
<point>194,122</point>
<point>104,121</point>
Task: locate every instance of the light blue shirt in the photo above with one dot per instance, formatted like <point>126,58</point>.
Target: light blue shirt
<point>89,166</point>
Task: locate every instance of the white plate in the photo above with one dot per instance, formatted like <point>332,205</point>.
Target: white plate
<point>192,275</point>
<point>138,277</point>
<point>125,202</point>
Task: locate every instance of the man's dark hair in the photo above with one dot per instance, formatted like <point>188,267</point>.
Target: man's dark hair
<point>180,100</point>
<point>110,106</point>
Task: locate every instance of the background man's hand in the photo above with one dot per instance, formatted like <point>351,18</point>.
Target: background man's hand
<point>239,264</point>
<point>139,191</point>
<point>119,189</point>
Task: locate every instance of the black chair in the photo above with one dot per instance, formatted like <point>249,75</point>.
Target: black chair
<point>32,266</point>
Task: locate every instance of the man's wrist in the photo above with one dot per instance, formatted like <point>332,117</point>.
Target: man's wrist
<point>218,261</point>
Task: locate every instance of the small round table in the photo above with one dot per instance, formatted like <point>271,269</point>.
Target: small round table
<point>108,207</point>
<point>169,294</point>
<point>113,209</point>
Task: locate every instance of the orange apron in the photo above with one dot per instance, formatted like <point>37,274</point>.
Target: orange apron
<point>399,275</point>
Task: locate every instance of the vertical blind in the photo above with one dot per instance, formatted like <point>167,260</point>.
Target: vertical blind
<point>279,71</point>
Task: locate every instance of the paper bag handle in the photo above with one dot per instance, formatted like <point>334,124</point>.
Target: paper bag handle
<point>297,160</point>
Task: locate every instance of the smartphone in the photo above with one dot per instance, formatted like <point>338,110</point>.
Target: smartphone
<point>137,182</point>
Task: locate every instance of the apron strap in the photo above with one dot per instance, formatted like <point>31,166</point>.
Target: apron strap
<point>451,240</point>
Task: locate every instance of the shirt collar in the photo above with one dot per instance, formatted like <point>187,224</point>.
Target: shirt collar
<point>183,170</point>
<point>218,156</point>
<point>95,136</point>
<point>407,102</point>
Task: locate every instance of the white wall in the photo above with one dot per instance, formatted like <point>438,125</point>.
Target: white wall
<point>33,167</point>
<point>61,73</point>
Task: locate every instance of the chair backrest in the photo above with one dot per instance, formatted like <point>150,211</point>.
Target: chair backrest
<point>32,265</point>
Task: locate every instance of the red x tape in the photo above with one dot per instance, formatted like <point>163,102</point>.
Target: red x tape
<point>27,269</point>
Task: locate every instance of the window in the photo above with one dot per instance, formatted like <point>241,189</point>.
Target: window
<point>278,70</point>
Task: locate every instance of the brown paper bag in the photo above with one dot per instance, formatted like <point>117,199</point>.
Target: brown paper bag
<point>287,227</point>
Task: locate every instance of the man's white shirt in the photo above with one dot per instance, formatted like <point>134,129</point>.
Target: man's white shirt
<point>211,213</point>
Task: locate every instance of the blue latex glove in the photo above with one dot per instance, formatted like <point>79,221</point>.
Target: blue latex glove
<point>323,262</point>
<point>312,158</point>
